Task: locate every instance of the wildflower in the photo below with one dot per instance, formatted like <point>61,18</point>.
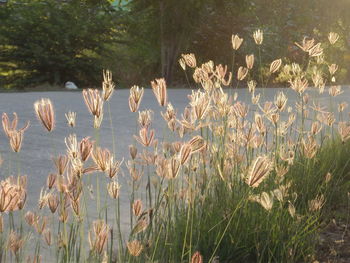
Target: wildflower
<point>236,42</point>
<point>135,98</point>
<point>197,258</point>
<point>258,36</point>
<point>45,113</point>
<point>258,171</point>
<point>107,85</point>
<point>93,101</point>
<point>71,116</point>
<point>113,189</point>
<point>190,60</point>
<point>9,126</point>
<point>242,73</point>
<point>249,60</point>
<point>275,65</point>
<point>134,248</point>
<point>333,37</point>
<point>160,91</point>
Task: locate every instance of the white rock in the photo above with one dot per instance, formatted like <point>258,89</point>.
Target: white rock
<point>70,85</point>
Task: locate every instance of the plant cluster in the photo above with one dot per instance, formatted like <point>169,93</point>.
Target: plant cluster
<point>228,181</point>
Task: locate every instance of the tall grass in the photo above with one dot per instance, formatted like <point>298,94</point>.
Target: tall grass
<point>229,182</point>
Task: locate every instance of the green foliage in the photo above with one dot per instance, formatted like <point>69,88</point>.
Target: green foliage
<point>56,41</point>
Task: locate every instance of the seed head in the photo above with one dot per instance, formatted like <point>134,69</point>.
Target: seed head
<point>85,148</point>
<point>93,101</point>
<point>190,60</point>
<point>107,85</point>
<point>15,242</point>
<point>160,91</point>
<point>236,42</point>
<point>137,207</point>
<point>249,60</point>
<point>197,258</point>
<point>71,116</point>
<point>333,37</point>
<point>317,203</point>
<point>258,171</point>
<point>185,153</point>
<point>306,44</point>
<point>145,137</point>
<point>101,158</point>
<point>242,73</point>
<point>135,248</point>
<point>98,236</point>
<point>316,50</point>
<point>275,65</point>
<point>9,126</point>
<point>258,36</point>
<point>135,98</point>
<point>182,63</point>
<point>45,113</point>
<point>113,189</point>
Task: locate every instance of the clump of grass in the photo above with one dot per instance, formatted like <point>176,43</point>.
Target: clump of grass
<point>235,182</point>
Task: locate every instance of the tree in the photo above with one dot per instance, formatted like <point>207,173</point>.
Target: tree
<point>56,41</point>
